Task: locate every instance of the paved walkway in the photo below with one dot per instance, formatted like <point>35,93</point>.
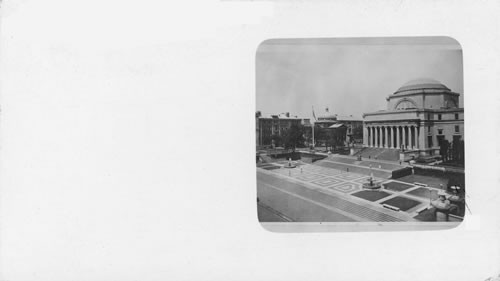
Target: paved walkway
<point>317,197</point>
<point>295,185</point>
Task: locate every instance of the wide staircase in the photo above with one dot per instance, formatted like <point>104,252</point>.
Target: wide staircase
<point>354,168</point>
<point>388,154</point>
<point>265,158</point>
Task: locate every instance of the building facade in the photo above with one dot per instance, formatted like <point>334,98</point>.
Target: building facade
<point>274,125</point>
<point>352,126</point>
<point>420,115</point>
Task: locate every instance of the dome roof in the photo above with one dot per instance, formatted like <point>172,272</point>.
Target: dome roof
<point>422,86</point>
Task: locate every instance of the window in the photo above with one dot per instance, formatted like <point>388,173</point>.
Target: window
<point>429,129</point>
<point>405,105</point>
<point>440,131</point>
<point>439,116</point>
<point>457,129</point>
<point>456,116</point>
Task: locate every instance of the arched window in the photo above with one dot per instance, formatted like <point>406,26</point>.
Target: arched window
<point>450,104</point>
<point>405,104</point>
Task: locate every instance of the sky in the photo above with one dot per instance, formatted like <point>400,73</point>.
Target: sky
<point>350,76</point>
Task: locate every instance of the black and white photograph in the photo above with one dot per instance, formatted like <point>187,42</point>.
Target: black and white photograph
<point>360,130</point>
<point>252,140</point>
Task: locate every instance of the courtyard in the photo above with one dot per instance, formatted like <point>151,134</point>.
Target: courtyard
<point>329,191</point>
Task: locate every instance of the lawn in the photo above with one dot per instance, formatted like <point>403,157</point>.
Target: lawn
<point>403,203</point>
<point>371,195</point>
<point>424,193</point>
<point>429,180</point>
<point>396,186</point>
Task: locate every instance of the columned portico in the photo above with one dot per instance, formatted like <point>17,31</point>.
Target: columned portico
<point>408,134</point>
<point>419,115</point>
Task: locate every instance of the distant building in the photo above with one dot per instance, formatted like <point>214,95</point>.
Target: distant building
<point>274,125</point>
<point>353,126</point>
<point>420,115</point>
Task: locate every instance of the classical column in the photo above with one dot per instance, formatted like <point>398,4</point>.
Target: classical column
<point>394,140</point>
<point>388,138</point>
<point>365,136</point>
<point>391,131</point>
<point>386,141</point>
<point>421,137</point>
<point>397,137</point>
<point>371,136</point>
<point>379,134</point>
<point>404,137</point>
<point>379,137</point>
<point>409,138</point>
<point>417,135</point>
<point>382,136</point>
<point>414,137</point>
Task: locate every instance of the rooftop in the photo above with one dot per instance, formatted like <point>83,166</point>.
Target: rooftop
<point>422,85</point>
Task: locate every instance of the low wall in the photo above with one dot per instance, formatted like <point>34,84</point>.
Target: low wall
<point>408,155</point>
<point>454,176</point>
<point>406,171</point>
<point>311,157</point>
<point>304,156</point>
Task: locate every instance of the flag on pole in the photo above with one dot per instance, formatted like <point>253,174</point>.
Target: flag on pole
<point>314,115</point>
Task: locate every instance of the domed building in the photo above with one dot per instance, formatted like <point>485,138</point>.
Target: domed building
<point>327,119</point>
<point>350,126</point>
<point>420,115</point>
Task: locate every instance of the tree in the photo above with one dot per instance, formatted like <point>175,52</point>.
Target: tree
<point>294,137</point>
<point>443,149</point>
<point>357,133</point>
<point>457,151</point>
<point>276,140</point>
<point>321,136</point>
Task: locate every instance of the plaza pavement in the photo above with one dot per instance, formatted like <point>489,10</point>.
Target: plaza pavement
<point>314,193</point>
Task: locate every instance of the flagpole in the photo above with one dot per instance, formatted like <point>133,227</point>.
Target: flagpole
<point>314,116</point>
<point>313,133</point>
